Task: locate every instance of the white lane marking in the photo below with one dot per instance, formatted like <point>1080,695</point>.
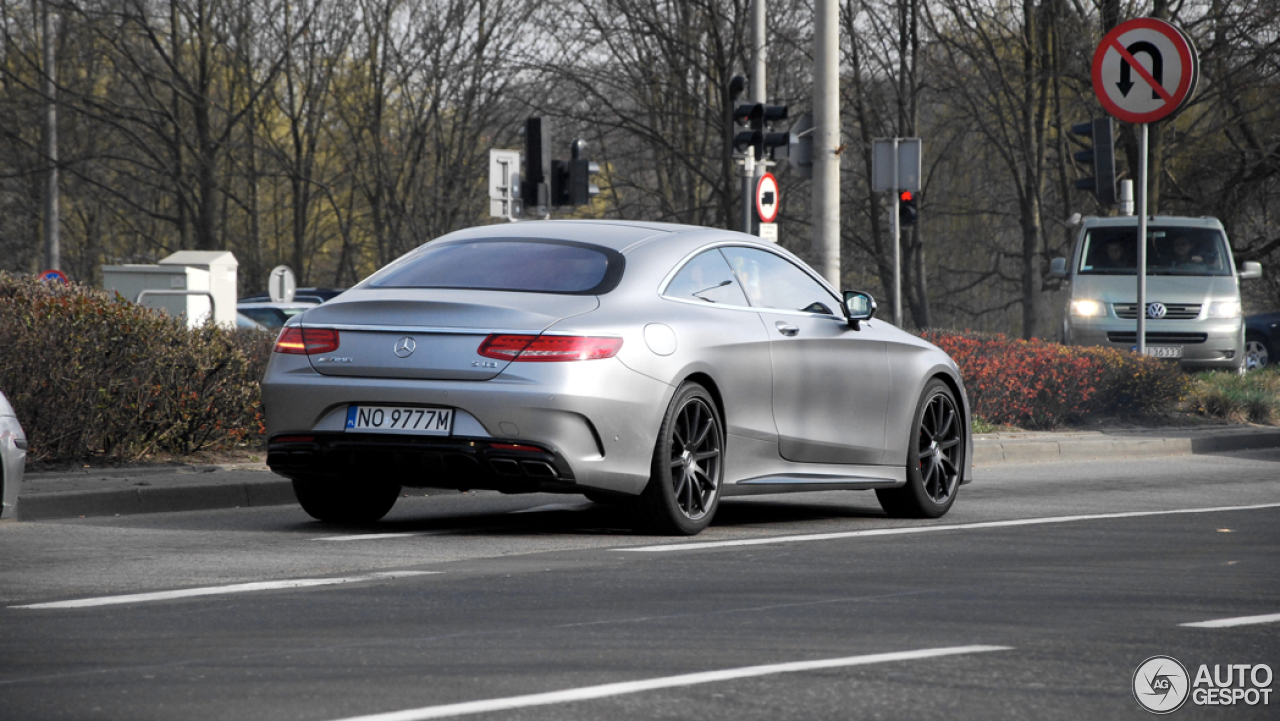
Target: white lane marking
<point>1238,621</point>
<point>931,529</point>
<point>218,590</point>
<point>555,507</point>
<point>380,536</point>
<point>690,679</point>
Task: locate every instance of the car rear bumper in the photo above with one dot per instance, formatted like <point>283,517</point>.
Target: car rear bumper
<point>451,462</point>
<point>597,422</point>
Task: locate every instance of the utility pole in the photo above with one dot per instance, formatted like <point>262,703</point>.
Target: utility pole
<point>756,93</point>
<point>826,121</point>
<point>52,248</point>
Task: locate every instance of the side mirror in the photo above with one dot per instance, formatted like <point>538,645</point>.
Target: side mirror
<point>1251,270</point>
<point>1058,268</point>
<point>858,306</point>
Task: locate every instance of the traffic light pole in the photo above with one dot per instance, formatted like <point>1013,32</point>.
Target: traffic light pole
<point>896,215</point>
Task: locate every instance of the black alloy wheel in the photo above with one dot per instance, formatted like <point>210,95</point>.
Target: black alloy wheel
<point>935,458</point>
<point>688,465</point>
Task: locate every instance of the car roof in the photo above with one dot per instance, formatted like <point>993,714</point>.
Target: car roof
<point>619,235</point>
<point>1132,220</point>
<point>283,306</point>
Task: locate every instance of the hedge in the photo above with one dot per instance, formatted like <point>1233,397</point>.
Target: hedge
<point>1039,385</point>
<point>93,376</point>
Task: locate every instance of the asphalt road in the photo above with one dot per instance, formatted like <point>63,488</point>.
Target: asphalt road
<point>1038,596</point>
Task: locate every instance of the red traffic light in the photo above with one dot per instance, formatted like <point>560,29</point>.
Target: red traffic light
<point>906,196</point>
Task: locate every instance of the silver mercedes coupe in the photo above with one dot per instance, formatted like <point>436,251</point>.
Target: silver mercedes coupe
<point>660,366</point>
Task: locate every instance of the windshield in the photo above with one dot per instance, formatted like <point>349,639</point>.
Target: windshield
<point>1171,250</point>
<point>530,266</point>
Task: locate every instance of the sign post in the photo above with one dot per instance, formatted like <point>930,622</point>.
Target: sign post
<point>895,166</point>
<point>1142,94</point>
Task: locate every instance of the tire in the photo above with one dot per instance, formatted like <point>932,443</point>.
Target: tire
<point>688,466</point>
<point>935,458</point>
<point>1257,353</point>
<point>337,502</point>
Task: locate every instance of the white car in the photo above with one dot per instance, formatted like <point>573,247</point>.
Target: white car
<point>13,458</point>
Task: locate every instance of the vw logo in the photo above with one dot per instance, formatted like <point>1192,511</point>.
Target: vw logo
<point>1156,310</point>
<point>405,347</point>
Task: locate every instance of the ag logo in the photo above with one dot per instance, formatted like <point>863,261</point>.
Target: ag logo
<point>1160,684</point>
<point>1156,310</point>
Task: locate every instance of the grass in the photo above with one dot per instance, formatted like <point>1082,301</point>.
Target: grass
<point>1250,398</point>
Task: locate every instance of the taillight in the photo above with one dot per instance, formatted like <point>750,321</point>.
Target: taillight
<point>548,348</point>
<point>307,341</point>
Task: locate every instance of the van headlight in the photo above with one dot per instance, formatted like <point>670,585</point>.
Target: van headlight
<point>1086,308</point>
<point>1224,309</point>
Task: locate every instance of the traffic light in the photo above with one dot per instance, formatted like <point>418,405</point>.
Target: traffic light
<point>535,186</point>
<point>755,117</point>
<point>1100,158</point>
<point>581,189</point>
<point>571,179</point>
<point>907,211</point>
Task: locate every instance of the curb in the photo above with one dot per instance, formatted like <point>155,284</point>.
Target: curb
<point>153,499</point>
<point>991,449</point>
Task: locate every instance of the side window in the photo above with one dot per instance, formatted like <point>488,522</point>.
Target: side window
<point>772,281</point>
<point>707,278</point>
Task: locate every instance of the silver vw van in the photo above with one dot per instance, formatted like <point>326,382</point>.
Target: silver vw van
<point>1193,290</point>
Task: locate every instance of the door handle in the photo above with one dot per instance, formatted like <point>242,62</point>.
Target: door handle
<point>787,329</point>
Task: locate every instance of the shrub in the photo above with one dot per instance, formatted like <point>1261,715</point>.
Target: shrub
<point>94,376</point>
<point>1253,397</point>
<point>1040,385</point>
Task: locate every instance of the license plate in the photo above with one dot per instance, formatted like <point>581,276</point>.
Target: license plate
<point>1164,351</point>
<point>400,419</point>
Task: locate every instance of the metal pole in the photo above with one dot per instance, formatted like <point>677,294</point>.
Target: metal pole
<point>897,240</point>
<point>1142,238</point>
<point>52,245</point>
<point>826,138</point>
<point>756,93</point>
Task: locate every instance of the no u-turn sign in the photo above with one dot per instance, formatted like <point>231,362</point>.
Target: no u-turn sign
<point>1144,70</point>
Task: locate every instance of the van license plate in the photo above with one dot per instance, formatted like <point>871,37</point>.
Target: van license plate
<point>1164,351</point>
<point>400,419</point>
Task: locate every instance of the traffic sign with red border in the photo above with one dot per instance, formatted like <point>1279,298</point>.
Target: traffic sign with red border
<point>1144,93</point>
<point>767,198</point>
<point>54,274</point>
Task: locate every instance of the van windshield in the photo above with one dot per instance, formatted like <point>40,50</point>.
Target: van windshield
<point>1171,250</point>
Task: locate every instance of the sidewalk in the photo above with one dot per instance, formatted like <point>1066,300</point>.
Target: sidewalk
<point>107,492</point>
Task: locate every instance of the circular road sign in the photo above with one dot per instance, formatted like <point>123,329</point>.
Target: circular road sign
<point>1144,70</point>
<point>53,274</point>
<point>767,197</point>
<point>281,284</point>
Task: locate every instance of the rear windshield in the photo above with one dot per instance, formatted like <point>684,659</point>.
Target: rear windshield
<point>528,266</point>
<point>1171,250</point>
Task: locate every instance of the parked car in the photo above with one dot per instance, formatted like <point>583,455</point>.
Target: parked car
<point>300,295</point>
<point>662,366</point>
<point>1192,297</point>
<point>273,315</point>
<point>1261,339</point>
<point>13,455</point>
<point>244,321</point>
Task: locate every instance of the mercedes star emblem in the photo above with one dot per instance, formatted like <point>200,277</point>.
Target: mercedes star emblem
<point>405,347</point>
